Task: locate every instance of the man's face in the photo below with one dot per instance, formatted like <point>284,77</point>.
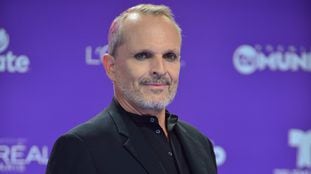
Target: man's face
<point>147,64</point>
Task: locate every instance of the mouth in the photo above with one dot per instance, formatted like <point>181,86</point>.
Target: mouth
<point>156,85</point>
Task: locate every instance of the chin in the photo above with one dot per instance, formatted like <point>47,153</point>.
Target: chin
<point>157,99</point>
<point>156,106</point>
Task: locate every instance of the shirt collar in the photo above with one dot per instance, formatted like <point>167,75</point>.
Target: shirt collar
<point>170,119</point>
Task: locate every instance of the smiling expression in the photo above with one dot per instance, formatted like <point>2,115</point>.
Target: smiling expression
<point>147,63</point>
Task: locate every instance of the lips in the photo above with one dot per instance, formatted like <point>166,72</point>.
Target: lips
<point>156,84</point>
<point>160,82</point>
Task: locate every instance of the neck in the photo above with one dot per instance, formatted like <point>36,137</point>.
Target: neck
<point>129,107</point>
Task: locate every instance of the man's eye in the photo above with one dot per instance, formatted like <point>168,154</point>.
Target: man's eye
<point>142,55</point>
<point>170,57</point>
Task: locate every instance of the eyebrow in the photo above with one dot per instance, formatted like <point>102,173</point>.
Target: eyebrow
<point>152,52</point>
<point>143,50</point>
<point>171,51</point>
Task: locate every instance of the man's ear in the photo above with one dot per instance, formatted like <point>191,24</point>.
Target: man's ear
<point>108,62</point>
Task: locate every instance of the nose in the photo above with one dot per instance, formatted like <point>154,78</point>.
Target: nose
<point>158,66</point>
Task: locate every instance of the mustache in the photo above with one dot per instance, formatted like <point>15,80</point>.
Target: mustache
<point>159,80</point>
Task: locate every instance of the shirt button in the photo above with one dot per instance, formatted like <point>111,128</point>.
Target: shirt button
<point>158,131</point>
<point>151,120</point>
<point>170,153</point>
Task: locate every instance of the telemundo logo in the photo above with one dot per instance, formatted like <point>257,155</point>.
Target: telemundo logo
<point>301,140</point>
<point>248,59</point>
<point>9,62</point>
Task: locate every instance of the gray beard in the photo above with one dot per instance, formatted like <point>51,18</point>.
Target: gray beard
<point>143,103</point>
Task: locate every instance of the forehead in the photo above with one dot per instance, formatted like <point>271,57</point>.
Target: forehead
<point>150,30</point>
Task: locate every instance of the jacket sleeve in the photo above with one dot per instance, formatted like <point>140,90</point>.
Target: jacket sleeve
<point>70,156</point>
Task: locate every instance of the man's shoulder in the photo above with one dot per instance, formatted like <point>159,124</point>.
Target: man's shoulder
<point>188,129</point>
<point>184,126</point>
<point>101,125</point>
<point>83,144</point>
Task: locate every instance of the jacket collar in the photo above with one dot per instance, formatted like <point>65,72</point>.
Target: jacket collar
<point>133,140</point>
<point>194,149</point>
<point>199,157</point>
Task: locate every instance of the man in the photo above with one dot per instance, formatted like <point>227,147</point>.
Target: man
<point>136,134</point>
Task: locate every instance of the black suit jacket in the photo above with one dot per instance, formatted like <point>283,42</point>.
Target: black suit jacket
<point>104,145</point>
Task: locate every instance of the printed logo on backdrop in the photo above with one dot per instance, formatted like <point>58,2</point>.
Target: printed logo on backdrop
<point>16,155</point>
<point>248,59</point>
<point>301,141</point>
<point>220,155</point>
<point>9,62</point>
<point>93,55</point>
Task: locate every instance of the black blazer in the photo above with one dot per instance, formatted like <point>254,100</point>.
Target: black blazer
<point>104,145</point>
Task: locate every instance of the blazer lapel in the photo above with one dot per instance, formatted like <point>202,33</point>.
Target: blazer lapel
<point>134,142</point>
<point>196,151</point>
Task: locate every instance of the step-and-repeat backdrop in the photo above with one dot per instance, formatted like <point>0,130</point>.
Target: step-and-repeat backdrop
<point>245,78</point>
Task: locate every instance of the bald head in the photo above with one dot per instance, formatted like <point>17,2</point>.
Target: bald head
<point>117,32</point>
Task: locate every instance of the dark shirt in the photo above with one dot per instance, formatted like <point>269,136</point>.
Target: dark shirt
<point>167,150</point>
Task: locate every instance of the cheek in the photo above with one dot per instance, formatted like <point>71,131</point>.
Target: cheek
<point>137,70</point>
<point>123,76</point>
<point>174,72</point>
<point>131,72</point>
